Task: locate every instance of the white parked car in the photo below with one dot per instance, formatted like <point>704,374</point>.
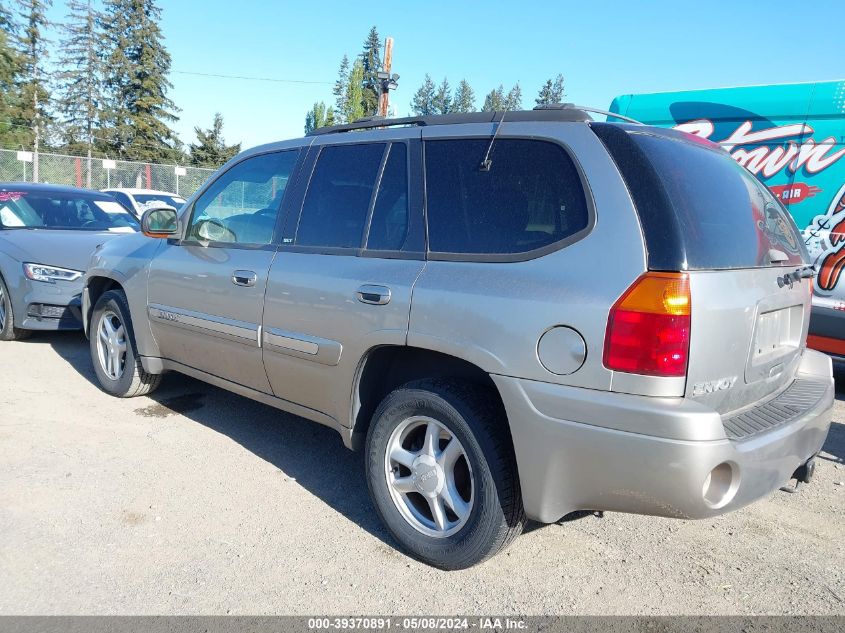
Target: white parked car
<point>138,200</point>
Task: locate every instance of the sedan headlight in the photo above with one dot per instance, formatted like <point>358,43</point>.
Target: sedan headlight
<point>50,274</point>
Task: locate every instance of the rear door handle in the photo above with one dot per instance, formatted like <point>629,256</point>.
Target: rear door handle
<point>244,278</point>
<point>376,295</point>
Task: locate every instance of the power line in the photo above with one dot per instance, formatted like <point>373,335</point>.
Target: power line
<point>246,78</point>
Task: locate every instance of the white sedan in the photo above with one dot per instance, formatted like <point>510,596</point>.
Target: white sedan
<point>139,200</point>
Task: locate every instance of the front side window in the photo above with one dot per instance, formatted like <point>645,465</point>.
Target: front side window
<point>334,213</point>
<point>242,205</point>
<point>530,197</point>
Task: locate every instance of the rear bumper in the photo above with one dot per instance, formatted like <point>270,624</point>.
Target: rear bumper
<point>582,462</point>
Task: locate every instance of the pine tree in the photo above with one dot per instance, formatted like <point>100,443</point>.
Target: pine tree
<point>330,116</point>
<point>211,149</point>
<point>495,100</point>
<point>80,81</point>
<point>371,62</point>
<point>316,117</point>
<point>557,92</point>
<point>339,90</point>
<point>464,98</point>
<point>513,100</point>
<point>354,107</point>
<point>137,62</point>
<point>32,109</point>
<point>10,68</point>
<point>551,92</point>
<point>423,101</point>
<point>442,102</point>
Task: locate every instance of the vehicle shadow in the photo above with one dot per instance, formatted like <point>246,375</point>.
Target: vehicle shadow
<point>309,453</point>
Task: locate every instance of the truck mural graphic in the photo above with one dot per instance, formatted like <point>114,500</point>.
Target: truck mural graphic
<point>792,137</point>
<point>826,236</point>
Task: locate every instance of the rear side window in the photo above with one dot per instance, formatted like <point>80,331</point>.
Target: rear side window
<point>726,217</point>
<point>530,198</point>
<point>334,213</point>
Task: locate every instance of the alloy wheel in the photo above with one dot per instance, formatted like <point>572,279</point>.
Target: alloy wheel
<point>429,476</point>
<point>111,345</point>
<point>2,309</point>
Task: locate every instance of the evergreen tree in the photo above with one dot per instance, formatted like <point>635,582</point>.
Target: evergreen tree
<point>211,149</point>
<point>316,117</point>
<point>80,80</point>
<point>464,98</point>
<point>10,69</point>
<point>339,90</point>
<point>32,107</point>
<point>371,63</point>
<point>513,100</point>
<point>330,116</point>
<point>423,101</point>
<point>138,109</point>
<point>495,100</point>
<point>354,107</point>
<point>551,92</point>
<point>442,102</point>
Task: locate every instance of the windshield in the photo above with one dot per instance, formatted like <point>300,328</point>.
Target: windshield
<point>63,210</point>
<point>144,199</point>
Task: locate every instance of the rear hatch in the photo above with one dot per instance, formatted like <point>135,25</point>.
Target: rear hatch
<point>703,213</point>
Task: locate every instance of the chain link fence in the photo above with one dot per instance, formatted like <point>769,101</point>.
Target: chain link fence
<point>97,173</point>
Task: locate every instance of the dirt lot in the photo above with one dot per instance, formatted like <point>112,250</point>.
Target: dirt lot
<point>199,501</point>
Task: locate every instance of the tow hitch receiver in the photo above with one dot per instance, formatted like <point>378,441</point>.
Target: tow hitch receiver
<point>802,475</point>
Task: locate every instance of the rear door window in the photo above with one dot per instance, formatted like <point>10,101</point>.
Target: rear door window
<point>334,213</point>
<point>390,222</point>
<point>531,197</point>
<point>726,217</point>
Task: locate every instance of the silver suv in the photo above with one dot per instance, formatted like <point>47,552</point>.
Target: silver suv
<point>515,319</point>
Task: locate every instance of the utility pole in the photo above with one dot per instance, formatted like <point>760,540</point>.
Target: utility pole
<point>386,81</point>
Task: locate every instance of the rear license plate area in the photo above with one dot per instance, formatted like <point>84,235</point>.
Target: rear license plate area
<point>777,338</point>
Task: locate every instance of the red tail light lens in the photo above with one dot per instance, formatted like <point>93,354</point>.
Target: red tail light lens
<point>648,330</point>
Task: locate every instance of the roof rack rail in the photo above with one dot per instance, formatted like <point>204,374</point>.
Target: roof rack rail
<point>561,112</point>
<point>562,106</point>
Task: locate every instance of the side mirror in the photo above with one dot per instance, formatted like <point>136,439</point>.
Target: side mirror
<point>160,222</point>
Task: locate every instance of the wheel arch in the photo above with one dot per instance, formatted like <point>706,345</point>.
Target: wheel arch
<point>386,367</point>
<point>96,285</point>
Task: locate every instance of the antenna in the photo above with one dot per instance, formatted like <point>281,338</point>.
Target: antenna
<point>486,164</point>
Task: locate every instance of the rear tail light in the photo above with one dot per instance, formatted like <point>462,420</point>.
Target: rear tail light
<point>648,329</point>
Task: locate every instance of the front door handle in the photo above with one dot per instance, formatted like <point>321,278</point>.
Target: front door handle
<point>376,295</point>
<point>244,278</point>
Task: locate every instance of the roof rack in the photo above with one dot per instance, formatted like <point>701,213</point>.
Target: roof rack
<point>557,112</point>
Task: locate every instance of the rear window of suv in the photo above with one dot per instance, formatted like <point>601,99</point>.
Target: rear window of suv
<point>530,198</point>
<point>725,216</point>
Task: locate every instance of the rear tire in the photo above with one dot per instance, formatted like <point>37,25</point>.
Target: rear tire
<point>8,331</point>
<point>112,342</point>
<point>467,507</point>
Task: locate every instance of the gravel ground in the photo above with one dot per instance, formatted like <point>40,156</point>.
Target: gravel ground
<point>197,501</point>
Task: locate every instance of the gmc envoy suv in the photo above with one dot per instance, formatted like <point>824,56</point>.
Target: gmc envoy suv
<point>516,316</point>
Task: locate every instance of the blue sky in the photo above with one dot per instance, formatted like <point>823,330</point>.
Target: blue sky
<point>602,48</point>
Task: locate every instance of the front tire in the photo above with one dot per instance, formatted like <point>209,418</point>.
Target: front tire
<point>8,331</point>
<point>442,472</point>
<point>112,342</point>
